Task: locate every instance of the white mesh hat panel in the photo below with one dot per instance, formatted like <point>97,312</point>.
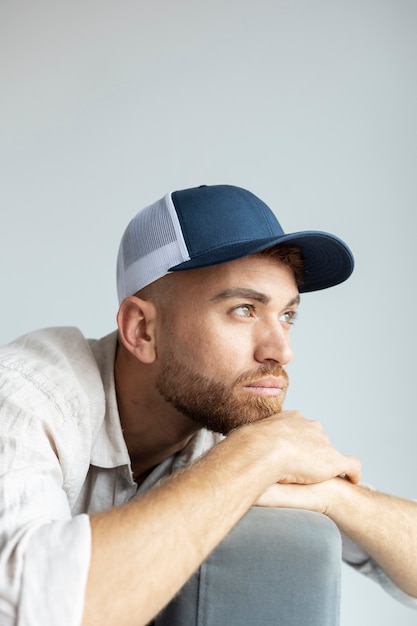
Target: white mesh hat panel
<point>152,243</point>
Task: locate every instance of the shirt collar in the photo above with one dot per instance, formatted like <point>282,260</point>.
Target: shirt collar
<point>109,447</point>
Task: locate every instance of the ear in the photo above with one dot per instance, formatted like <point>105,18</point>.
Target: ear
<point>136,323</point>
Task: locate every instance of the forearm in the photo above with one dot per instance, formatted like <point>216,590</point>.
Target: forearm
<point>384,526</point>
<point>145,551</point>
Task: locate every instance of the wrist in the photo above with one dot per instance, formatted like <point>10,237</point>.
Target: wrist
<point>340,492</point>
<point>258,450</point>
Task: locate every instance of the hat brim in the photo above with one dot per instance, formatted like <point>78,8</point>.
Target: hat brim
<point>328,261</point>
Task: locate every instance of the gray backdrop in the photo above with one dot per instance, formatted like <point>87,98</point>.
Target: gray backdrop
<point>106,106</point>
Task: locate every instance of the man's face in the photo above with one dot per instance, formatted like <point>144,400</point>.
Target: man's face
<point>223,344</point>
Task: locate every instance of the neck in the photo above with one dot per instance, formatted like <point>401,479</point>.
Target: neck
<point>152,428</point>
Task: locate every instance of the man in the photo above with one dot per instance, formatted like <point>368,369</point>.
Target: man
<point>192,386</point>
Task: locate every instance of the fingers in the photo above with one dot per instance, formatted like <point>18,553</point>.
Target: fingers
<point>305,453</point>
<point>354,469</point>
<point>312,497</point>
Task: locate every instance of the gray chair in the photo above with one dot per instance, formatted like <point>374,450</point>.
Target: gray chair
<point>277,567</point>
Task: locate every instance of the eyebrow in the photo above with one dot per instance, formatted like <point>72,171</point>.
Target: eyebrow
<point>252,294</point>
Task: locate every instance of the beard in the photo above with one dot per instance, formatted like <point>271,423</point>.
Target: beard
<point>212,404</point>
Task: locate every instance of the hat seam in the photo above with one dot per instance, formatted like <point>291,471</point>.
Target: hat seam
<point>228,243</point>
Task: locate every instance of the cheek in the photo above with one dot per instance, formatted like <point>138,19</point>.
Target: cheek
<point>189,342</point>
<point>216,350</point>
<point>201,352</point>
<point>221,357</point>
<point>194,334</point>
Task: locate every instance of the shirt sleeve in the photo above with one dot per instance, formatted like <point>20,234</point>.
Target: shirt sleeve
<point>44,550</point>
<point>357,558</point>
<point>44,555</point>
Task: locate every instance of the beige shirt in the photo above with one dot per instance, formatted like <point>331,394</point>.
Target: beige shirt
<point>63,456</point>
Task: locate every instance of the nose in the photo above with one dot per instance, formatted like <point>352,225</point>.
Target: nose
<point>273,344</point>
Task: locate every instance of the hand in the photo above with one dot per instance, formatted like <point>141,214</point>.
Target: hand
<point>299,451</point>
<point>315,497</point>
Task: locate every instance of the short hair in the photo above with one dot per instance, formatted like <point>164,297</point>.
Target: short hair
<point>290,256</point>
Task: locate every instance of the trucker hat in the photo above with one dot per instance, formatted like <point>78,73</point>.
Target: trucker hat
<point>213,224</point>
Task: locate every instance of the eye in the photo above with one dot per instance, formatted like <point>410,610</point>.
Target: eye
<point>288,317</point>
<point>244,310</point>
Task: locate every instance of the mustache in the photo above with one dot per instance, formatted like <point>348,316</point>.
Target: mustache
<point>262,371</point>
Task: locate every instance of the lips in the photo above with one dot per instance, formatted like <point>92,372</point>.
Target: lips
<point>269,382</point>
<point>269,385</point>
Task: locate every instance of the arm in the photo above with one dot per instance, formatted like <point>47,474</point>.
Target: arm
<point>143,552</point>
<point>385,527</point>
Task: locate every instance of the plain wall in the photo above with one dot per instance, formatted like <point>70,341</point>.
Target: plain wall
<point>106,106</point>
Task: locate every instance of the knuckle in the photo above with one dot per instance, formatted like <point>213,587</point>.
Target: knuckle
<point>316,424</point>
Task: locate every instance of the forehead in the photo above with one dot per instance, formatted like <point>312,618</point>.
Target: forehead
<point>266,274</point>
